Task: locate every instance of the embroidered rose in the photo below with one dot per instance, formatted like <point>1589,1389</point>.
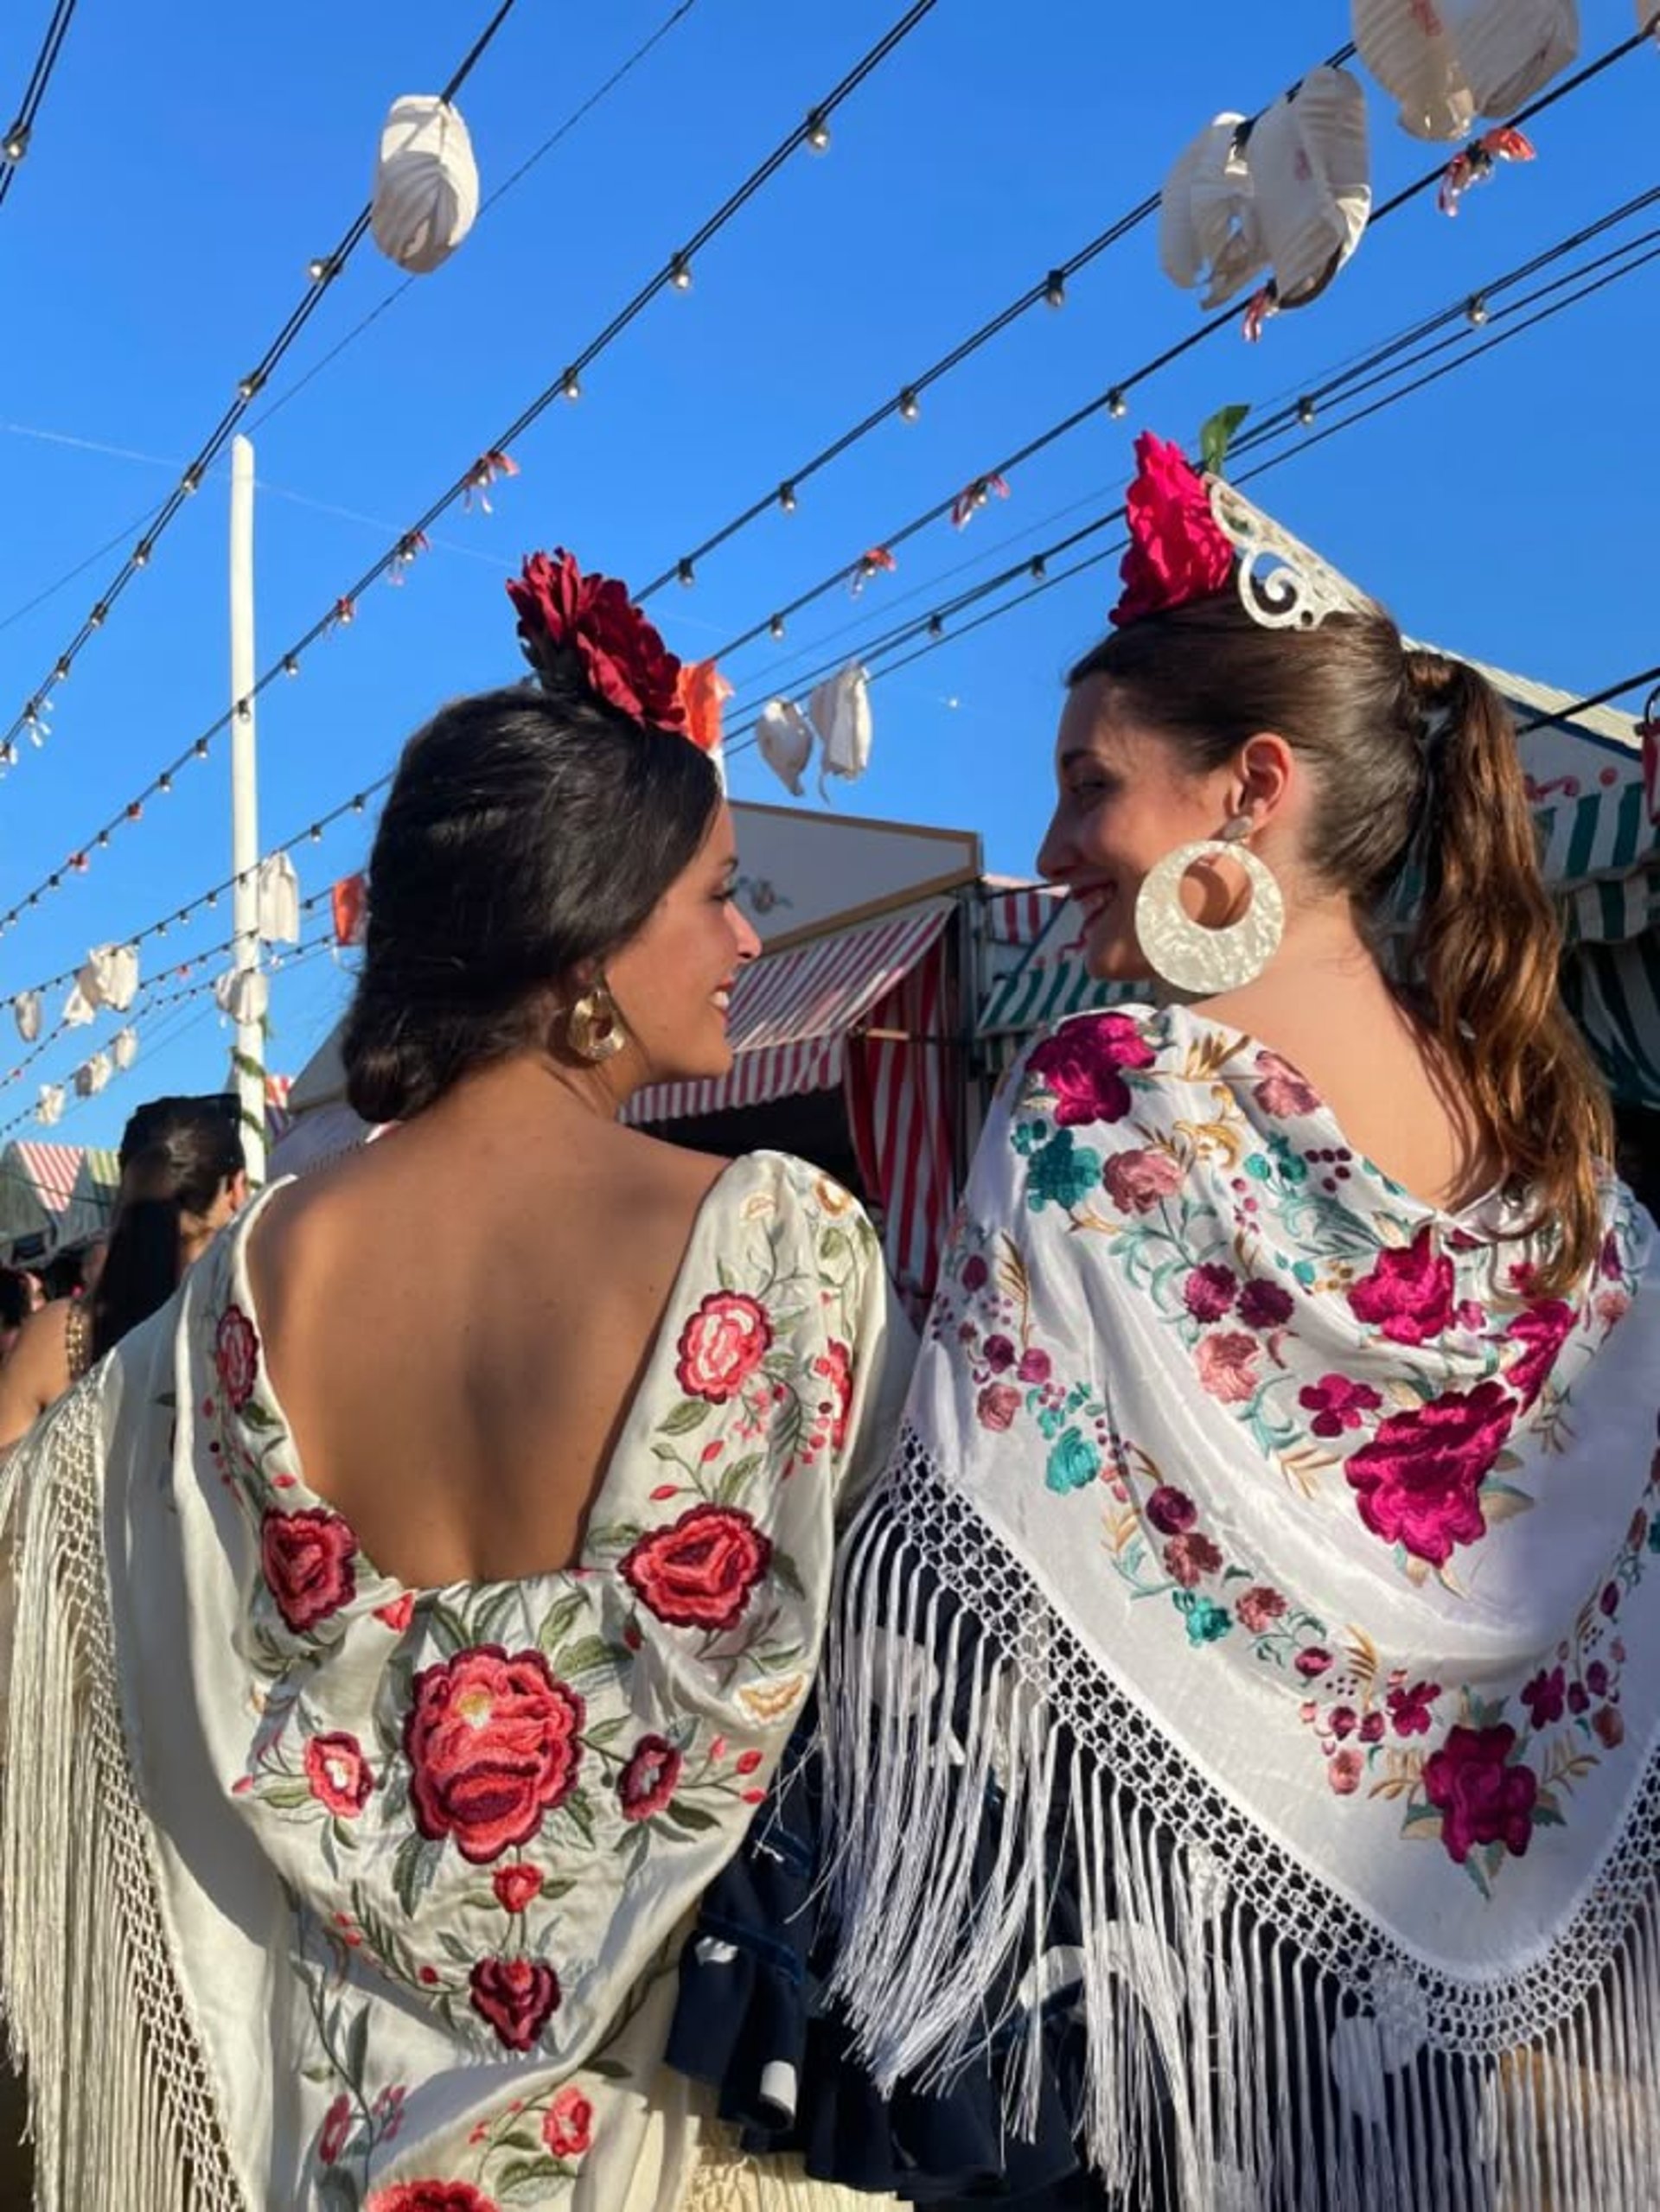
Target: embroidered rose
<point>516,1886</point>
<point>1371,1728</point>
<point>997,1354</point>
<point>431,2197</point>
<point>1541,1331</point>
<point>518,1997</point>
<point>1409,1294</point>
<point>1596,1678</point>
<point>1311,1661</point>
<point>835,1365</point>
<point>568,2123</point>
<point>1036,1366</point>
<point>307,1560</point>
<point>1610,1265</point>
<point>647,1783</point>
<point>1409,1707</point>
<point>396,1612</point>
<point>1344,1770</point>
<point>700,1571</point>
<point>1342,1721</point>
<point>721,1346</point>
<point>1419,1479</point>
<point>1170,1510</point>
<point>1209,1291</point>
<point>493,1746</point>
<point>1081,1065</point>
<point>620,654</point>
<point>339,1775</point>
<point>997,1405</point>
<point>1266,1305</point>
<point>1227,1366</point>
<point>236,1355</point>
<point>1482,1797</point>
<point>1281,1091</point>
<point>336,2127</point>
<point>1138,1182</point>
<point>1337,1404</point>
<point>1259,1609</point>
<point>975,1273</point>
<point>1187,1558</point>
<point>1544,1697</point>
<point>1074,1463</point>
<point>1177,551</point>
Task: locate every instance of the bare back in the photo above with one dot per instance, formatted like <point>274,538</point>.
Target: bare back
<point>456,1320</point>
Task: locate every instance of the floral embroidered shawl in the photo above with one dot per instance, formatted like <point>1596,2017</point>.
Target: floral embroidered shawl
<point>1256,1526</point>
<point>367,1897</point>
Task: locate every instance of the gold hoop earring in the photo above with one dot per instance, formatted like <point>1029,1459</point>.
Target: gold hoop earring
<point>593,1028</point>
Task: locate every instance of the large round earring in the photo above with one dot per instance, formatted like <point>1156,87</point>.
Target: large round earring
<point>593,1028</point>
<point>1182,951</point>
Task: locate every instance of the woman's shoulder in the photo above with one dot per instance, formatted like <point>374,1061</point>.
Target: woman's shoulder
<point>795,1187</point>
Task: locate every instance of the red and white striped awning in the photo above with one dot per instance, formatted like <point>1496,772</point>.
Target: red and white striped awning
<point>793,1011</point>
<point>53,1169</point>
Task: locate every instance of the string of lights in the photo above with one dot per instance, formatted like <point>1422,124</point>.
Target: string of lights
<point>813,133</point>
<point>14,147</point>
<point>32,719</point>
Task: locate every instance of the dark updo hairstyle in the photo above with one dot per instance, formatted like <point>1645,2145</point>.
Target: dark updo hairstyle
<point>527,831</point>
<point>176,1156</point>
<point>1415,760</point>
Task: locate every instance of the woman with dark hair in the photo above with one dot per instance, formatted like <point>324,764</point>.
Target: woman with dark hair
<point>468,1525</point>
<point>183,1177</point>
<point>1243,1709</point>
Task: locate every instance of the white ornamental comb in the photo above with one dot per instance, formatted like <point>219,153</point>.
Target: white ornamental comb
<point>1283,583</point>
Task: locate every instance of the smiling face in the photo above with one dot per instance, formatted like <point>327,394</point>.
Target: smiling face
<point>672,981</point>
<point>1124,801</point>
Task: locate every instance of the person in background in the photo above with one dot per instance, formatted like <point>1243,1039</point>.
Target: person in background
<point>15,1310</point>
<point>183,1177</point>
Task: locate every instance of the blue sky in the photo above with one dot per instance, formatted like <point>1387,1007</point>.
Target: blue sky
<point>188,162</point>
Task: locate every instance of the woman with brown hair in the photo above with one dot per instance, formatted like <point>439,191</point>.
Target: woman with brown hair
<point>1248,1676</point>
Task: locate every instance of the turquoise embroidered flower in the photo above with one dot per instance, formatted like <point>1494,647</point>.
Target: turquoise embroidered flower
<point>1207,1622</point>
<point>1258,1167</point>
<point>1061,1173</point>
<point>1029,1134</point>
<point>1292,1167</point>
<point>1073,1465</point>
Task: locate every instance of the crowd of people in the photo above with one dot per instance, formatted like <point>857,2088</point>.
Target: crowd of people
<point>528,1685</point>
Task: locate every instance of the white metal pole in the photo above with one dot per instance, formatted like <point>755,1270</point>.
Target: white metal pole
<point>249,1057</point>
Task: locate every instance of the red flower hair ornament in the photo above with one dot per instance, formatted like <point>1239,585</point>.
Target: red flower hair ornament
<point>620,654</point>
<point>1177,551</point>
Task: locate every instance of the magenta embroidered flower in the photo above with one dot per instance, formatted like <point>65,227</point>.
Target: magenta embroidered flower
<point>1137,1183</point>
<point>431,2197</point>
<point>518,1997</point>
<point>1188,1558</point>
<point>1482,1797</point>
<point>309,1559</point>
<point>975,1273</point>
<point>1227,1366</point>
<point>997,1405</point>
<point>1081,1065</point>
<point>336,2127</point>
<point>997,1354</point>
<point>1341,1721</point>
<point>835,1366</point>
<point>1609,1599</point>
<point>568,2124</point>
<point>1542,1331</point>
<point>516,1886</point>
<point>701,1571</point>
<point>721,1346</point>
<point>1337,1404</point>
<point>1419,1478</point>
<point>1260,1607</point>
<point>1313,1661</point>
<point>1266,1305</point>
<point>1544,1697</point>
<point>647,1783</point>
<point>493,1744</point>
<point>1170,1511</point>
<point>1344,1771</point>
<point>341,1777</point>
<point>1035,1367</point>
<point>1371,1728</point>
<point>1210,1292</point>
<point>1409,1294</point>
<point>1610,1265</point>
<point>236,1355</point>
<point>1281,1091</point>
<point>1596,1678</point>
<point>1409,1707</point>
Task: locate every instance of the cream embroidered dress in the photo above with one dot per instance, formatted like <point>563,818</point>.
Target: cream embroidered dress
<point>334,1893</point>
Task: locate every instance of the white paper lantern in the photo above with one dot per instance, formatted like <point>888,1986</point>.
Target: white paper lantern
<point>1512,48</point>
<point>784,738</point>
<point>123,1048</point>
<point>1311,179</point>
<point>425,184</point>
<point>1409,50</point>
<point>91,1079</point>
<point>839,709</point>
<point>27,1007</point>
<point>50,1107</point>
<point>1207,220</point>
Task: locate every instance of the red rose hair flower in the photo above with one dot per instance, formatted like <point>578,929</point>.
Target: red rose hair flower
<point>623,659</point>
<point>1177,550</point>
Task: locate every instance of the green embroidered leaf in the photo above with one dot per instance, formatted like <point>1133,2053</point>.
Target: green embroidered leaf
<point>455,1949</point>
<point>413,1868</point>
<point>526,2181</point>
<point>338,2190</point>
<point>285,1795</point>
<point>1547,1816</point>
<point>724,1276</point>
<point>449,1630</point>
<point>691,1818</point>
<point>581,1814</point>
<point>606,1731</point>
<point>691,1413</point>
<point>591,1655</point>
<point>784,1567</point>
<point>1216,435</point>
<point>254,1416</point>
<point>357,2048</point>
<point>834,1245</point>
<point>736,1478</point>
<point>615,1536</point>
<point>168,1398</point>
<point>560,1619</point>
<point>608,2070</point>
<point>1502,1502</point>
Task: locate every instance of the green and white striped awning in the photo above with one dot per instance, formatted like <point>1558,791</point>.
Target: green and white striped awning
<point>1613,992</point>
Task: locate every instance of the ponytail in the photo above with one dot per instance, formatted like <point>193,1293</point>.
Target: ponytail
<point>140,1268</point>
<point>177,1157</point>
<point>1486,954</point>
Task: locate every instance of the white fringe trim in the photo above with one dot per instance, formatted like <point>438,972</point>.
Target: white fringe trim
<point>121,2109</point>
<point>1252,2040</point>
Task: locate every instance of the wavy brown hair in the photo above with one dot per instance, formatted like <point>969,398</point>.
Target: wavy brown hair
<point>1416,762</point>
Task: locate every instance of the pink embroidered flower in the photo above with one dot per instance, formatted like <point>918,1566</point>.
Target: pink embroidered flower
<point>1409,1707</point>
<point>647,1783</point>
<point>1170,1511</point>
<point>307,1558</point>
<point>1137,1183</point>
<point>1409,1294</point>
<point>1036,1366</point>
<point>1313,1661</point>
<point>1544,1696</point>
<point>997,1354</point>
<point>747,1762</point>
<point>1210,1292</point>
<point>1259,1609</point>
<point>1177,551</point>
<point>1596,1678</point>
<point>516,1886</point>
<point>1344,1771</point>
<point>1281,1091</point>
<point>1612,1306</point>
<point>1371,1728</point>
<point>1188,1558</point>
<point>336,2127</point>
<point>568,2123</point>
<point>236,1355</point>
<point>700,1572</point>
<point>341,1777</point>
<point>997,1405</point>
<point>1227,1366</point>
<point>493,1746</point>
<point>1337,1404</point>
<point>431,2197</point>
<point>396,1614</point>
<point>1481,1796</point>
<point>518,1997</point>
<point>1081,1063</point>
<point>835,1366</point>
<point>721,1346</point>
<point>388,2110</point>
<point>1610,1265</point>
<point>1341,1720</point>
<point>1266,1305</point>
<point>1611,1729</point>
<point>1541,1331</point>
<point>1419,1478</point>
<point>975,1273</point>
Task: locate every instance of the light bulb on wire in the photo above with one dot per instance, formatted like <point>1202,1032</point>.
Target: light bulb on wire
<point>818,132</point>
